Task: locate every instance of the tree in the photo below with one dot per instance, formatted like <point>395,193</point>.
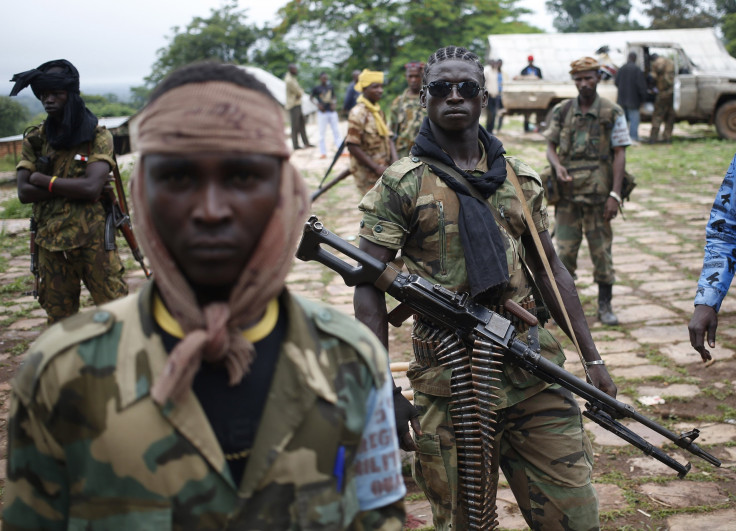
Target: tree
<point>12,116</point>
<point>386,34</point>
<point>672,14</point>
<point>223,36</point>
<point>107,105</point>
<point>591,15</point>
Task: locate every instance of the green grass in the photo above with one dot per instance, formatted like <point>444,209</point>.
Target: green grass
<point>7,163</point>
<point>12,208</point>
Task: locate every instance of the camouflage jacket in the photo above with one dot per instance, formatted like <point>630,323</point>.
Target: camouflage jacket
<point>413,210</point>
<point>405,120</point>
<point>664,71</point>
<point>89,449</point>
<point>586,141</point>
<point>720,244</point>
<point>67,223</point>
<point>362,131</point>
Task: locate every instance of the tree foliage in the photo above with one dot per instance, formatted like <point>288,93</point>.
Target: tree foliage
<point>107,105</point>
<point>343,36</point>
<point>223,36</point>
<point>12,116</point>
<point>591,15</point>
<point>673,14</point>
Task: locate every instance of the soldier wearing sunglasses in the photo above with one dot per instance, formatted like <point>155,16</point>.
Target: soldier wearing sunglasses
<point>451,211</point>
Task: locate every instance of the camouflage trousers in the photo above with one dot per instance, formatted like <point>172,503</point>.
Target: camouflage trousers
<point>62,271</point>
<point>542,449</point>
<point>663,113</point>
<point>574,218</point>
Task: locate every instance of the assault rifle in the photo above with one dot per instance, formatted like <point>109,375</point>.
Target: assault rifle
<point>470,320</point>
<point>119,218</point>
<point>34,257</point>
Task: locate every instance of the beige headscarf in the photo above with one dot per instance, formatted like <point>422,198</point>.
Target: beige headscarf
<point>209,117</point>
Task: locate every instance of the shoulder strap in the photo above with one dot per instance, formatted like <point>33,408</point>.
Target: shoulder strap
<point>511,175</point>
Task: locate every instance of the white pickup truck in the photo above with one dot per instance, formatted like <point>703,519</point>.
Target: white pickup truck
<point>705,83</point>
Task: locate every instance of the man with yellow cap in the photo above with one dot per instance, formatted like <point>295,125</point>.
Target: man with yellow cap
<point>214,398</point>
<point>586,147</point>
<point>371,148</point>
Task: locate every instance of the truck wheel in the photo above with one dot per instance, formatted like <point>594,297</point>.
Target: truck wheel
<point>726,120</point>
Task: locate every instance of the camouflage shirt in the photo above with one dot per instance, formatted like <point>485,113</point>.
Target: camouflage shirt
<point>664,73</point>
<point>362,131</point>
<point>405,120</point>
<point>579,136</point>
<point>413,210</point>
<point>64,223</point>
<point>89,449</point>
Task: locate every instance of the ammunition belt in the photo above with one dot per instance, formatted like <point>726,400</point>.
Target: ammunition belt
<point>529,304</point>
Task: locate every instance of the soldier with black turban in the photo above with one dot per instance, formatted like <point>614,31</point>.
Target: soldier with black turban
<point>65,164</point>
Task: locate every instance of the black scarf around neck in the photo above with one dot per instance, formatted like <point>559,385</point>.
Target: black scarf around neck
<point>483,245</point>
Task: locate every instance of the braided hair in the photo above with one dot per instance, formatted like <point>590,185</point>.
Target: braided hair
<point>453,52</point>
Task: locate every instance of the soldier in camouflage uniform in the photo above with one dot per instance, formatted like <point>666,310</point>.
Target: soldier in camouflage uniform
<point>213,399</point>
<point>64,165</point>
<point>586,147</point>
<point>664,112</point>
<point>406,114</point>
<point>446,236</point>
<point>368,140</point>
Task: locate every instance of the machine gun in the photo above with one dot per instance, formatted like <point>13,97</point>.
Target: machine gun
<point>470,320</point>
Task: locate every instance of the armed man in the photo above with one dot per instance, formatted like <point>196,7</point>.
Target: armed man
<point>213,398</point>
<point>453,210</point>
<point>64,167</point>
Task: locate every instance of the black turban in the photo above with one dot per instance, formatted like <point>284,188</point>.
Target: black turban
<point>78,124</point>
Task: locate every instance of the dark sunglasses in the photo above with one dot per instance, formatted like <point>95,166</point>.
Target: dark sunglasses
<point>440,89</point>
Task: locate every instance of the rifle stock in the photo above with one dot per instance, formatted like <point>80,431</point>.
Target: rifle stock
<point>470,320</point>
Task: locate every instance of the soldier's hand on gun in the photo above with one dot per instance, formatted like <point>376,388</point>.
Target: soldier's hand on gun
<point>610,209</point>
<point>562,174</point>
<point>406,414</point>
<point>704,320</point>
<point>600,378</point>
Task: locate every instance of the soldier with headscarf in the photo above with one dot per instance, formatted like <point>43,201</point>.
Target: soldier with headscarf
<point>371,148</point>
<point>65,164</point>
<point>213,398</point>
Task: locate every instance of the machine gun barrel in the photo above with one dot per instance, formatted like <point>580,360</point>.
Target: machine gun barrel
<point>469,319</point>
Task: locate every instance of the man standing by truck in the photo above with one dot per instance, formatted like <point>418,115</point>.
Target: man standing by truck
<point>663,70</point>
<point>586,146</point>
<point>632,92</point>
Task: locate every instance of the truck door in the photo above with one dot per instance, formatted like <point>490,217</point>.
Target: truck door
<point>686,87</point>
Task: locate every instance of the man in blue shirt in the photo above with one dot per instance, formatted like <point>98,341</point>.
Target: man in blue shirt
<point>718,265</point>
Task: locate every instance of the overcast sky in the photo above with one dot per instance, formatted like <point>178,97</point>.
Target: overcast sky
<point>116,42</point>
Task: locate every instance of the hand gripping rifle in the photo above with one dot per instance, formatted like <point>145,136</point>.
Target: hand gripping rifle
<point>119,218</point>
<point>470,320</point>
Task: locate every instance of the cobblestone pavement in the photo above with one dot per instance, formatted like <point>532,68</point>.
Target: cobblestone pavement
<point>657,255</point>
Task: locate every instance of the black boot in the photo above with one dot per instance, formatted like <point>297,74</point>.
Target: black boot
<point>605,312</point>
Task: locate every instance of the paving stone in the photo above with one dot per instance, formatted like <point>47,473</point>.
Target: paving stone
<point>675,390</point>
<point>648,466</point>
<point>27,324</point>
<point>712,521</point>
<point>684,494</point>
<point>685,354</point>
<point>617,346</point>
<point>626,359</point>
<point>642,371</point>
<point>610,335</point>
<point>646,312</point>
<point>716,433</point>
<point>661,334</point>
<point>610,497</point>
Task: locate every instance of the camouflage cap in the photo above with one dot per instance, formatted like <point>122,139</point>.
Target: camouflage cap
<point>584,64</point>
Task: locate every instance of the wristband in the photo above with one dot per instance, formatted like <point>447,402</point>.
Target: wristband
<point>51,182</point>
<point>616,197</point>
<point>594,362</point>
